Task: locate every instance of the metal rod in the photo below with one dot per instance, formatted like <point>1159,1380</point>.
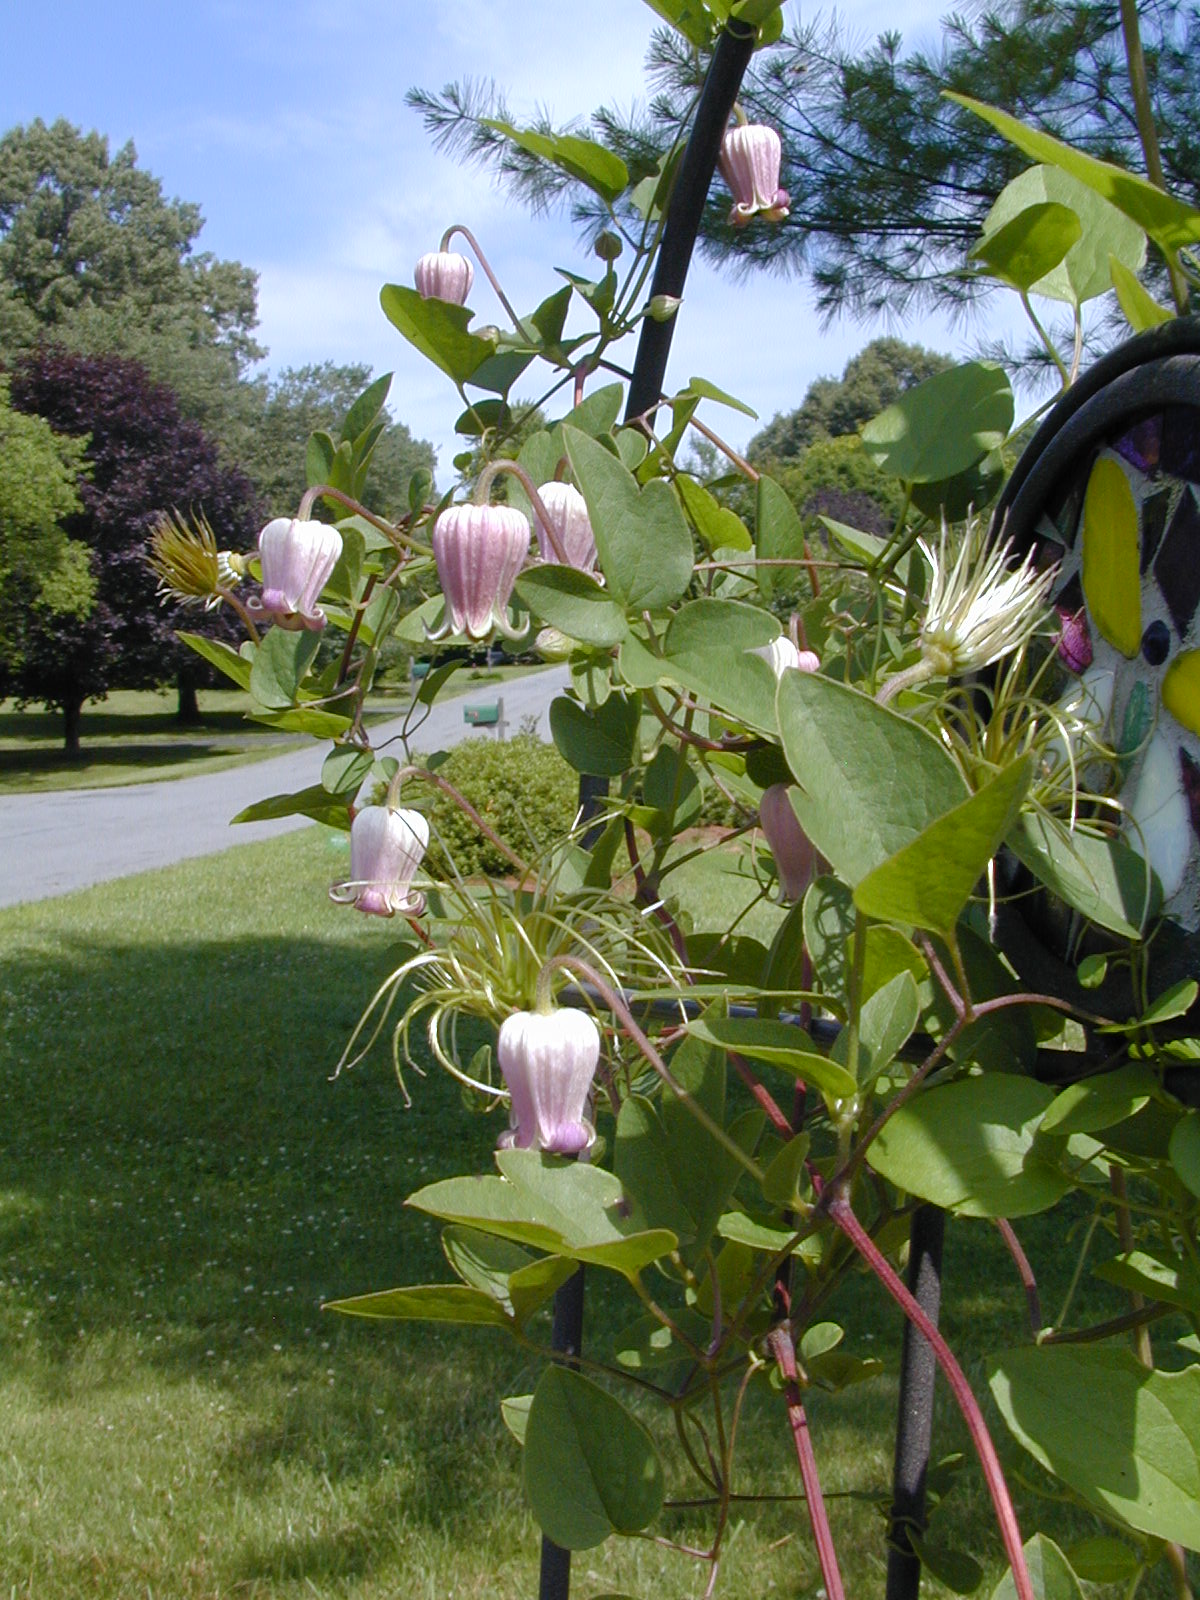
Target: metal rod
<point>566,1338</point>
<point>696,167</point>
<point>914,1410</point>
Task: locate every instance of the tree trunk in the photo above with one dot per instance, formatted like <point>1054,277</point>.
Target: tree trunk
<point>189,707</point>
<point>72,718</point>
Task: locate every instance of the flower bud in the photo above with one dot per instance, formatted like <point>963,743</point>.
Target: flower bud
<point>386,848</point>
<point>548,1061</point>
<point>444,275</point>
<point>1075,640</point>
<point>479,551</point>
<point>608,245</point>
<point>297,560</point>
<point>749,162</point>
<point>663,307</point>
<point>790,845</point>
<point>781,655</point>
<point>568,513</point>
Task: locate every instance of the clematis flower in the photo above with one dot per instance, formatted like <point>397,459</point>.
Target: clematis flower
<point>980,608</point>
<point>479,551</point>
<point>569,514</point>
<point>444,275</point>
<point>1074,640</point>
<point>781,655</point>
<point>549,1060</point>
<point>790,845</point>
<point>386,847</point>
<point>297,559</point>
<point>749,162</point>
<point>190,569</point>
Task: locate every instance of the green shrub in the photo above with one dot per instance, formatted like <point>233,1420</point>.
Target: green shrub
<point>522,788</point>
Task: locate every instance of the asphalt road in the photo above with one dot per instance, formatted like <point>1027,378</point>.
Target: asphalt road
<point>68,839</point>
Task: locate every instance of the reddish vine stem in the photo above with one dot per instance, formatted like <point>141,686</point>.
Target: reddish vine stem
<point>1032,1298</point>
<point>483,261</point>
<point>780,1343</point>
<point>659,911</point>
<point>843,1218</point>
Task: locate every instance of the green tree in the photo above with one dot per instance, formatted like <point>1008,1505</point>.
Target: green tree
<point>874,378</point>
<point>96,258</point>
<point>39,565</point>
<point>889,181</point>
<point>304,400</point>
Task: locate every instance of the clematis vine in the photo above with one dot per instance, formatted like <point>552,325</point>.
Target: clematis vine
<point>1074,640</point>
<point>444,275</point>
<point>387,844</point>
<point>297,561</point>
<point>549,1059</point>
<point>749,161</point>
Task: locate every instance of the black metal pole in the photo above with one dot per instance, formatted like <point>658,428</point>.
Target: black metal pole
<point>726,70</point>
<point>914,1411</point>
<point>730,59</point>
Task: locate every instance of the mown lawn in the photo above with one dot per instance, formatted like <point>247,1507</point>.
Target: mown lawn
<point>181,1186</point>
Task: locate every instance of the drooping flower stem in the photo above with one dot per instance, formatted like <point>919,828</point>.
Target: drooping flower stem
<point>458,227</point>
<point>844,1219</point>
<point>779,1340</point>
<point>483,488</point>
<point>247,620</point>
<point>389,530</point>
<point>1028,1282</point>
<point>464,805</point>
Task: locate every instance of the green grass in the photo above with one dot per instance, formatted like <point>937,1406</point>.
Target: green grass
<point>133,736</point>
<point>182,1184</point>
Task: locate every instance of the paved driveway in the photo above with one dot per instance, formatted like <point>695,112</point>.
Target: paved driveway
<point>53,843</point>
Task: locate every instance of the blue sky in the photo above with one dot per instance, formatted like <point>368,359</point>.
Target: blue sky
<point>286,123</point>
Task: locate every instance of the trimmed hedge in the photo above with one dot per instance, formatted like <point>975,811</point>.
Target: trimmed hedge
<point>522,788</point>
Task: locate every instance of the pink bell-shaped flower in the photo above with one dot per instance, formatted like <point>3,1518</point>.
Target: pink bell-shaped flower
<point>790,845</point>
<point>479,551</point>
<point>549,1060</point>
<point>444,275</point>
<point>749,161</point>
<point>297,560</point>
<point>568,512</point>
<point>386,847</point>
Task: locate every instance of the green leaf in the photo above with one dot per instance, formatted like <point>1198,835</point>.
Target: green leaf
<point>594,415</point>
<point>1102,1559</point>
<point>428,1302</point>
<point>1142,310</point>
<point>1174,1002</point>
<point>1023,248</point>
<point>600,741</point>
<point>692,18</point>
<point>1169,222</point>
<point>573,602</point>
<point>437,329</point>
<point>786,1179</point>
<point>1099,1102</point>
<point>1049,1572</point>
<point>1124,1437</point>
<point>564,1207</point>
<point>344,769</point>
<point>304,719</point>
<point>708,648</point>
<point>954,1569</point>
<point>779,537</point>
<point>1100,231</point>
<point>280,663</point>
<point>1175,1282</point>
<point>550,317</point>
<point>602,171</point>
<point>870,781</point>
<point>590,1467</point>
<point>1103,879</point>
<point>1184,1150</point>
<point>514,1409</point>
<point>221,656</point>
<point>969,1147</point>
<point>315,802</point>
<point>942,426</point>
<point>709,391</point>
<point>775,1042</point>
<point>366,409</point>
<point>642,540</point>
<point>928,881</point>
<point>720,528</point>
<point>885,1024</point>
